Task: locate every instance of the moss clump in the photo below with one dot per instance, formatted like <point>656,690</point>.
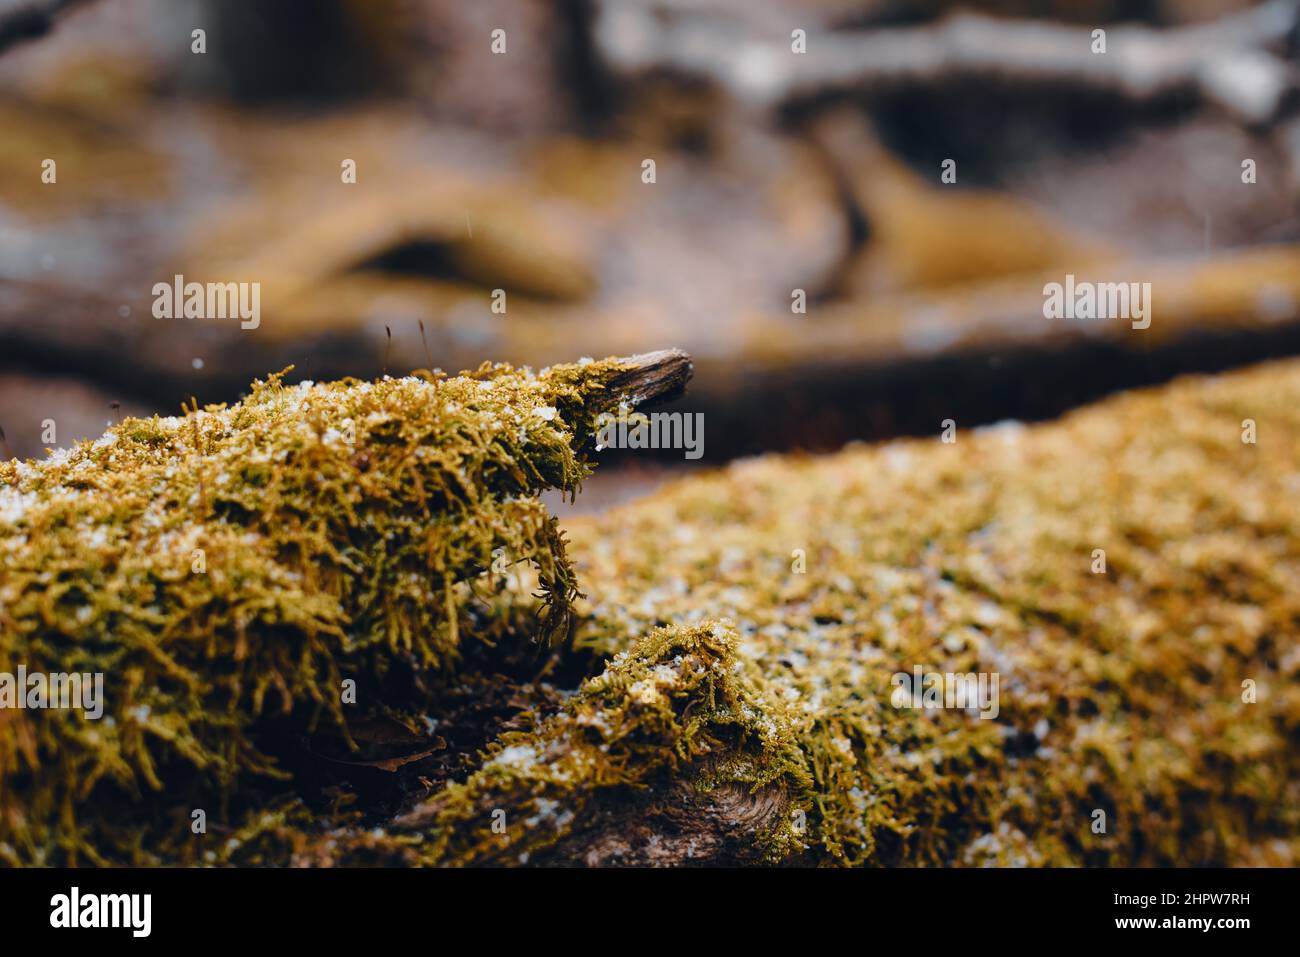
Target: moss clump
<point>243,561</point>
<point>1120,690</point>
<point>678,710</point>
<point>677,702</point>
<point>744,712</point>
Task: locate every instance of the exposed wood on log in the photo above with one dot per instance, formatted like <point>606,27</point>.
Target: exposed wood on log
<point>658,376</point>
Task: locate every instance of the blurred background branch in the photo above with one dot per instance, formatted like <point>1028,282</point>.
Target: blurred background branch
<point>31,19</point>
<point>1232,61</point>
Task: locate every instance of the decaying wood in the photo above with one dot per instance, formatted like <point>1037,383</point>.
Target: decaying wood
<point>676,825</point>
<point>657,376</point>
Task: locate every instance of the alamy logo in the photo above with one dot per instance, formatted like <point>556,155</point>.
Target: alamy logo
<point>58,689</point>
<point>1098,300</point>
<point>214,300</point>
<point>103,910</point>
<point>658,430</point>
<point>944,689</point>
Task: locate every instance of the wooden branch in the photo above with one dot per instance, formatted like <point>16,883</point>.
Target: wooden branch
<point>652,376</point>
<point>1225,61</point>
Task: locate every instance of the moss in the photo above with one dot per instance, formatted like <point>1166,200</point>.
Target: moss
<point>725,672</point>
<point>243,561</point>
<point>667,706</point>
<point>1120,691</point>
<point>678,707</point>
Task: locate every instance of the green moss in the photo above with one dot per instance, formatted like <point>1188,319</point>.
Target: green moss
<point>676,702</point>
<point>719,664</point>
<point>242,561</point>
<point>1120,691</point>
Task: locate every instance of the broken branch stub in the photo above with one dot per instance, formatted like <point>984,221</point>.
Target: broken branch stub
<point>651,376</point>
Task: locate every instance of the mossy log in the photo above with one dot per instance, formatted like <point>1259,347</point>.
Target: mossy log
<point>726,693</point>
<point>1156,683</point>
<point>247,560</point>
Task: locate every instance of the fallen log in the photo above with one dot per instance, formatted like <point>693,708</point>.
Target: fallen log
<point>733,690</point>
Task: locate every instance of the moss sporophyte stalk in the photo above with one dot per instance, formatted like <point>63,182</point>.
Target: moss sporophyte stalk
<point>697,698</point>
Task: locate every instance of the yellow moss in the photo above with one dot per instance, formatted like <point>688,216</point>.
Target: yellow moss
<point>726,665</point>
<point>672,701</point>
<point>242,561</point>
<point>977,557</point>
<point>1120,691</point>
